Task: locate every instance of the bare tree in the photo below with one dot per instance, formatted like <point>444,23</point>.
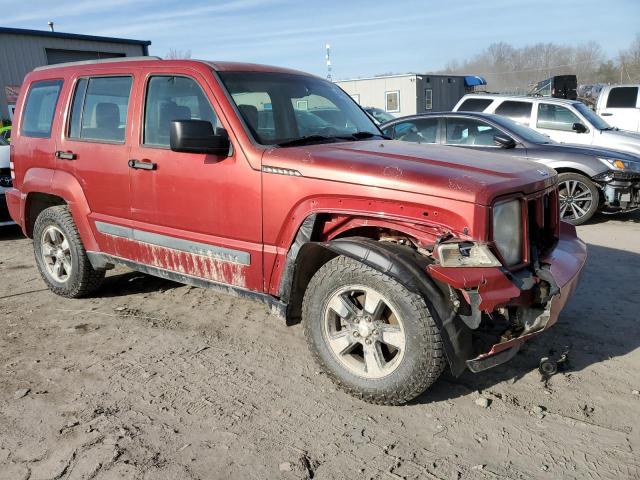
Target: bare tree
<point>174,54</point>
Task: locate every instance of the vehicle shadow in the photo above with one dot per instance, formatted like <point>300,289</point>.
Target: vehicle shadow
<point>11,232</point>
<point>625,217</point>
<point>599,323</point>
<point>132,283</point>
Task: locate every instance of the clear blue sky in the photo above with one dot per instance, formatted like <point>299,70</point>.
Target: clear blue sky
<point>366,37</point>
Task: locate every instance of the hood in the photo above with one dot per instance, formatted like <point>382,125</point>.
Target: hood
<point>441,171</point>
<point>598,151</point>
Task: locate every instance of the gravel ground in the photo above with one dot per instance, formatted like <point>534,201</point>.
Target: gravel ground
<point>155,380</point>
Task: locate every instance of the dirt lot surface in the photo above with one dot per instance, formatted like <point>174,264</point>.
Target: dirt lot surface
<point>154,380</point>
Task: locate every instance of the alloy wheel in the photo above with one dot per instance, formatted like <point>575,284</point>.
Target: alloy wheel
<point>364,332</point>
<point>575,200</point>
<point>56,254</point>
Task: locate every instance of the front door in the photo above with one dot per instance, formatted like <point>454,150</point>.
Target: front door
<point>557,122</point>
<point>95,147</point>
<point>194,214</point>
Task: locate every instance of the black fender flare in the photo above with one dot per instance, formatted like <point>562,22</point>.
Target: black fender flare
<point>409,268</point>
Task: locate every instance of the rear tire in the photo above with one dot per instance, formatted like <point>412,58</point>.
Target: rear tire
<point>60,255</point>
<point>374,338</point>
<point>579,198</point>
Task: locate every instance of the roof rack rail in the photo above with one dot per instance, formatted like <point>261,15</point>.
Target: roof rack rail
<point>97,62</point>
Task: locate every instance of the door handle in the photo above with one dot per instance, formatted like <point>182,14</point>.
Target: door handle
<point>606,114</point>
<point>142,165</point>
<point>65,155</point>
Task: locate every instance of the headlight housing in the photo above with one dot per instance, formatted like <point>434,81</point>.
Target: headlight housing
<point>618,164</point>
<point>466,254</point>
<point>507,231</point>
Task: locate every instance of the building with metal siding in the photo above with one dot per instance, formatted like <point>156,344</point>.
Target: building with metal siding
<point>409,94</point>
<point>23,50</point>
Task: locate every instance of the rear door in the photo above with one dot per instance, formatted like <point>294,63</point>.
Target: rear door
<point>95,145</point>
<point>194,214</point>
<point>417,130</point>
<point>622,108</point>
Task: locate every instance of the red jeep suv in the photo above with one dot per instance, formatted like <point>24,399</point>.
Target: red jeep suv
<point>272,183</point>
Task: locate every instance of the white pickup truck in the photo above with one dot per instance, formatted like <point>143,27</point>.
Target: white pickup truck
<point>619,105</point>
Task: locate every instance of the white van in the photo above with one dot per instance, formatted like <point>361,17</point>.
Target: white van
<point>619,105</point>
<point>566,121</point>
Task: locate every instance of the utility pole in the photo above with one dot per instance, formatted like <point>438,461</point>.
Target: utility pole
<point>328,57</point>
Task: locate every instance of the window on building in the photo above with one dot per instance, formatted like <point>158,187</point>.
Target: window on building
<point>517,111</point>
<point>428,99</point>
<point>474,105</point>
<point>172,98</point>
<point>40,108</point>
<point>467,131</point>
<point>622,97</point>
<point>392,101</point>
<point>99,110</point>
<point>556,117</point>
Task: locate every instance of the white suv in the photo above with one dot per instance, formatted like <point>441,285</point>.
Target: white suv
<point>566,121</point>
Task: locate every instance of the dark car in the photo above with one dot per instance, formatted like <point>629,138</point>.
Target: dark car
<point>590,178</point>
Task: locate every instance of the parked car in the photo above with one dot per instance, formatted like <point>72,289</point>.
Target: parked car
<point>5,182</point>
<point>378,115</point>
<point>590,178</point>
<point>398,259</point>
<point>566,121</point>
<point>619,105</point>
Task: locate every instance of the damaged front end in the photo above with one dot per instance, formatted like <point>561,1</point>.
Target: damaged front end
<point>620,189</point>
<point>501,307</point>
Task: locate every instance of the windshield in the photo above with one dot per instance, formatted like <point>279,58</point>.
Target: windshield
<point>284,108</point>
<point>526,133</point>
<point>597,122</point>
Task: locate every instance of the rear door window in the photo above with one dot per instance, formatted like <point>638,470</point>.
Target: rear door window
<point>474,105</point>
<point>622,97</point>
<point>467,131</point>
<point>99,109</point>
<point>556,117</point>
<point>517,111</point>
<point>424,130</point>
<point>40,107</point>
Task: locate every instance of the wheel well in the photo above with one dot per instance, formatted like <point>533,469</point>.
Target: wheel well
<point>571,170</point>
<point>312,256</point>
<point>36,203</point>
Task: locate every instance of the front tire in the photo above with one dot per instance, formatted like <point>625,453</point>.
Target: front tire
<point>374,338</point>
<point>60,255</point>
<point>579,198</point>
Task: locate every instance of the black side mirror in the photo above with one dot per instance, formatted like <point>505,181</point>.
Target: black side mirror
<point>578,127</point>
<point>197,136</point>
<point>504,141</point>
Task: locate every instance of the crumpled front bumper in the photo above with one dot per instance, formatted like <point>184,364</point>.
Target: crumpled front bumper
<point>498,288</point>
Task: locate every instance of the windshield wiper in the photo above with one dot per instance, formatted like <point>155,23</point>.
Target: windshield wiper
<point>306,140</point>
<point>363,136</point>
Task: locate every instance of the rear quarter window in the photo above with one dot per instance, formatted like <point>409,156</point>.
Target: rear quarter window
<point>622,97</point>
<point>39,108</point>
<point>474,105</point>
<point>517,111</point>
